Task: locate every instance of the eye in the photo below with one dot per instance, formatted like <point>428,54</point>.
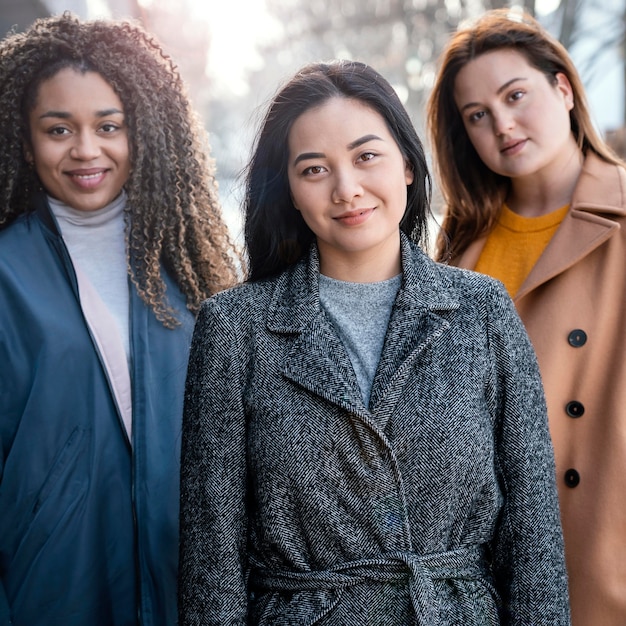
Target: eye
<point>312,170</point>
<point>476,116</point>
<point>58,131</point>
<point>109,127</point>
<point>366,156</point>
<point>518,94</point>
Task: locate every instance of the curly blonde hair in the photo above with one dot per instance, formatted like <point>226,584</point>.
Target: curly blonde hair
<point>173,217</point>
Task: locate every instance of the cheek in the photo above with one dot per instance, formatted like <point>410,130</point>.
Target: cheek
<point>294,193</point>
<point>481,142</point>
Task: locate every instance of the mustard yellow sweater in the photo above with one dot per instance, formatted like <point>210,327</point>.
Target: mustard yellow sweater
<point>514,245</point>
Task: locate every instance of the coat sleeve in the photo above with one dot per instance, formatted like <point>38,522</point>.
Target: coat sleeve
<point>528,555</point>
<point>213,524</point>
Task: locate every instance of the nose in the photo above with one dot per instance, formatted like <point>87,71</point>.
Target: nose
<point>85,147</point>
<point>347,187</point>
<point>503,122</point>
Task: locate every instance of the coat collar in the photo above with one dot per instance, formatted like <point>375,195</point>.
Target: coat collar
<point>598,202</point>
<point>317,359</point>
<point>296,302</point>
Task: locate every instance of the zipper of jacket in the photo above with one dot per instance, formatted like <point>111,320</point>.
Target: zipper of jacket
<point>133,465</point>
<point>69,266</point>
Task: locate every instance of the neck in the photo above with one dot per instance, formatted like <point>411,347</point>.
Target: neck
<point>367,266</point>
<point>549,189</point>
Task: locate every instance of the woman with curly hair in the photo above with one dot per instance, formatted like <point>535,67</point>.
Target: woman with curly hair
<point>537,199</point>
<point>110,237</point>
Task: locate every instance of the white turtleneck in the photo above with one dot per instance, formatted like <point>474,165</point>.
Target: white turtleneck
<point>97,245</point>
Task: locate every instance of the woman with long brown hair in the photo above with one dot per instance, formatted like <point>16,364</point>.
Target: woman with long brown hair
<point>534,197</point>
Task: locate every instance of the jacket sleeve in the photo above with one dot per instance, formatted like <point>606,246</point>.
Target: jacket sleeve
<point>213,523</point>
<point>528,555</point>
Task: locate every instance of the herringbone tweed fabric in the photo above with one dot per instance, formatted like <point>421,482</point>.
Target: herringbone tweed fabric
<point>436,505</point>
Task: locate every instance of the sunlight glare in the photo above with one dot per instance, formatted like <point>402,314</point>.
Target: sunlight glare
<point>545,7</point>
<point>237,27</point>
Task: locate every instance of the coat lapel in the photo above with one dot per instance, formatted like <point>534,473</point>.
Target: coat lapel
<point>416,323</point>
<point>317,359</point>
<point>599,194</point>
<point>579,234</point>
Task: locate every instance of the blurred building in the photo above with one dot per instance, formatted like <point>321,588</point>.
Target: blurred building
<point>19,14</point>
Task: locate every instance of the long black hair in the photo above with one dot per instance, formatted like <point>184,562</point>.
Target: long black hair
<point>276,235</point>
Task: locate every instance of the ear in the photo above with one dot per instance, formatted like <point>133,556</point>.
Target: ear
<point>409,175</point>
<point>565,88</point>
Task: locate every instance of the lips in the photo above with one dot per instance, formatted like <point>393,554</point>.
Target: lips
<point>513,147</point>
<point>354,218</point>
<point>87,178</point>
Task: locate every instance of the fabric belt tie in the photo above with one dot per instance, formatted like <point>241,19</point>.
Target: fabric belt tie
<point>422,570</point>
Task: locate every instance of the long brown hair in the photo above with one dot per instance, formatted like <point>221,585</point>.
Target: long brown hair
<point>473,194</point>
<point>173,217</point>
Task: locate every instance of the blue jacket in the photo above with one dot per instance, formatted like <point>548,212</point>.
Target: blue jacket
<point>88,524</point>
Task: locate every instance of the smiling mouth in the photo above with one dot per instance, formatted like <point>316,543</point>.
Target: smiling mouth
<point>87,180</point>
<point>87,176</point>
<point>513,147</point>
<point>354,218</point>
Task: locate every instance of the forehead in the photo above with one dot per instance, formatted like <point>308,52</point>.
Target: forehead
<point>491,70</point>
<point>337,120</point>
<point>71,87</point>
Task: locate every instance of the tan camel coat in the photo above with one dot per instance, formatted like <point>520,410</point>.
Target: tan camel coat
<point>573,304</point>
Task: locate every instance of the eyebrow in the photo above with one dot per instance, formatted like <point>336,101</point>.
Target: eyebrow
<point>64,115</point>
<point>498,92</point>
<point>351,146</point>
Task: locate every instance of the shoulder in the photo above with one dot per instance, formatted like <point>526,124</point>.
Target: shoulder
<point>24,247</point>
<point>601,187</point>
<point>240,309</point>
<point>244,296</point>
<point>457,283</point>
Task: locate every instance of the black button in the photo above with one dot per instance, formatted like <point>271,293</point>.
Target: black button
<point>577,338</point>
<point>572,478</point>
<point>574,409</point>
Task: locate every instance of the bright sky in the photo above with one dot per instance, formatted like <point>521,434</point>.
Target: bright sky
<point>237,27</point>
<point>543,7</point>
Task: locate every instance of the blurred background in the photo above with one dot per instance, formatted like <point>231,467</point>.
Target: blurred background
<point>233,54</point>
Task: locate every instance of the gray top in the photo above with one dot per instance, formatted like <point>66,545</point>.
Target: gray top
<point>360,314</point>
<point>96,242</point>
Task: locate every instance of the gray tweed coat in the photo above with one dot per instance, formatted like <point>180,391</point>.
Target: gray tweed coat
<point>435,505</point>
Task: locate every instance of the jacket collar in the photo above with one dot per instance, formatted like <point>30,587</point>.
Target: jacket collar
<point>601,188</point>
<point>296,300</point>
<point>317,359</point>
<point>41,208</point>
<point>599,200</point>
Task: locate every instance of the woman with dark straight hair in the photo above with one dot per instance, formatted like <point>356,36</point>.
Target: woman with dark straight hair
<point>275,234</point>
<point>364,432</point>
<point>535,198</point>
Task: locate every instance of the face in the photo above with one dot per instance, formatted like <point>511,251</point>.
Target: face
<point>517,121</point>
<point>79,141</point>
<point>349,180</point>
